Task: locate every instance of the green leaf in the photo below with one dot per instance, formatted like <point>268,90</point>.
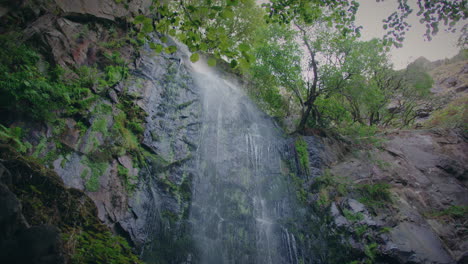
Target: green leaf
<point>244,47</point>
<point>195,57</point>
<point>147,28</point>
<point>139,19</point>
<point>203,47</point>
<point>228,13</point>
<point>233,64</point>
<point>170,49</point>
<point>211,62</point>
<point>156,47</point>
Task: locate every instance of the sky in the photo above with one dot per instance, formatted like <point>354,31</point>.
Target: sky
<point>443,45</point>
<point>370,16</point>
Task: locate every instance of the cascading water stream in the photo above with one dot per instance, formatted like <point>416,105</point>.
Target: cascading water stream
<point>240,195</point>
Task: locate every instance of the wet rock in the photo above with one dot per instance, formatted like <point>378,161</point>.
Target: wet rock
<point>450,81</point>
<point>338,218</point>
<point>461,89</point>
<point>125,161</point>
<point>71,135</point>
<point>463,259</point>
<point>426,172</point>
<point>39,245</point>
<point>453,168</point>
<point>11,219</point>
<point>70,169</point>
<point>412,243</point>
<point>113,96</point>
<point>35,245</point>
<point>104,9</point>
<point>111,196</point>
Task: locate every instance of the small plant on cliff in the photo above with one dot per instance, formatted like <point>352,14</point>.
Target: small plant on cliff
<point>303,155</point>
<point>454,115</point>
<point>27,84</point>
<point>12,136</point>
<point>375,195</point>
<point>103,247</point>
<point>330,186</point>
<point>454,212</point>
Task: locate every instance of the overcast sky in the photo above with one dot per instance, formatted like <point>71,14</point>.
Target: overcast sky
<point>443,45</point>
<point>370,16</point>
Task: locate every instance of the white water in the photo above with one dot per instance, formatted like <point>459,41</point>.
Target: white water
<point>239,193</point>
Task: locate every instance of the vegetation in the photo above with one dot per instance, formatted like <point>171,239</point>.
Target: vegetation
<point>454,212</point>
<point>27,86</point>
<point>375,195</point>
<point>454,115</point>
<point>13,137</point>
<point>303,154</point>
<point>329,187</point>
<point>302,60</point>
<point>46,201</point>
<point>103,247</point>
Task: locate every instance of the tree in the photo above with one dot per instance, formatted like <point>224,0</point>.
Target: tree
<point>342,14</point>
<point>432,12</point>
<point>275,76</point>
<point>221,28</point>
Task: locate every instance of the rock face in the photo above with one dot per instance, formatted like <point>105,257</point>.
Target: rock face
<point>105,9</point>
<point>450,79</point>
<point>37,212</point>
<point>145,194</point>
<point>170,98</point>
<point>142,190</point>
<point>427,175</point>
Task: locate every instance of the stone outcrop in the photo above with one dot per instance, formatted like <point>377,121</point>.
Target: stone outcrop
<point>37,211</point>
<point>138,193</point>
<point>427,175</point>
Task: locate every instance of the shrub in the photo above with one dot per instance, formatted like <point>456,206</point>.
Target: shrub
<point>454,115</point>
<point>12,136</point>
<point>101,247</point>
<point>454,211</point>
<point>24,87</point>
<point>374,195</point>
<point>303,155</point>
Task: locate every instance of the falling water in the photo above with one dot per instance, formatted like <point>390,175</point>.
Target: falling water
<point>240,195</point>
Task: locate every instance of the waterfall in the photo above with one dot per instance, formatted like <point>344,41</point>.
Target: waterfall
<point>240,195</point>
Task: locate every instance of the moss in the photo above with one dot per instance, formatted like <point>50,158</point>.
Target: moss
<point>169,186</point>
<point>360,230</point>
<point>184,105</point>
<point>371,250</point>
<point>330,187</point>
<point>303,154</point>
<point>374,195</point>
<point>301,193</point>
<point>85,174</point>
<point>353,217</point>
<point>94,247</point>
<point>124,136</point>
<point>454,212</point>
<point>80,126</point>
<point>97,170</point>
<point>454,115</point>
<point>137,128</point>
<point>39,148</point>
<point>46,200</point>
<point>385,229</point>
<point>13,136</point>
<point>128,179</point>
<point>100,125</point>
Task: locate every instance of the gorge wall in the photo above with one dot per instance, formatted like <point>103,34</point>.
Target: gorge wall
<point>175,161</point>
